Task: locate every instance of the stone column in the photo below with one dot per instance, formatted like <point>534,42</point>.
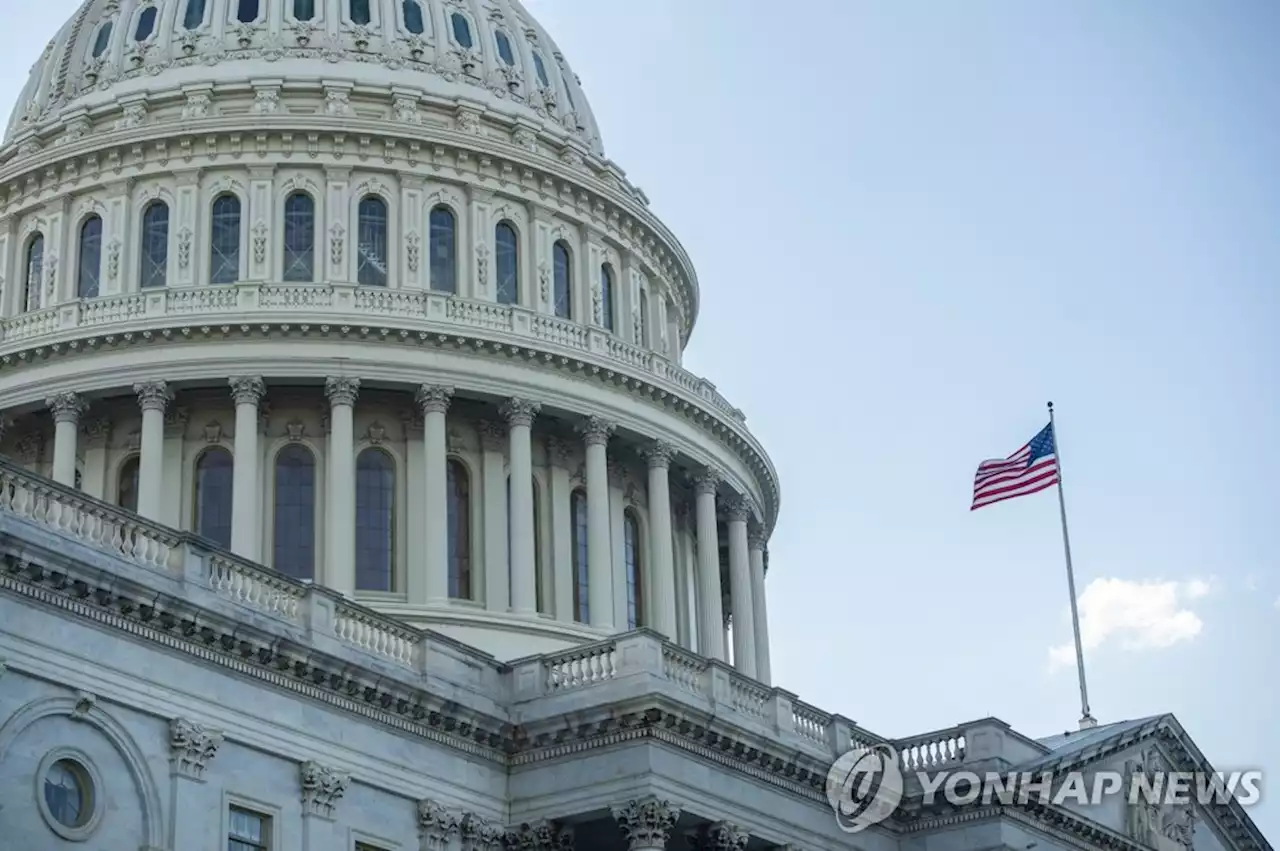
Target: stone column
<point>662,575</point>
<point>340,533</point>
<point>67,409</point>
<point>596,434</point>
<point>153,397</point>
<point>497,529</point>
<point>191,748</point>
<point>755,548</point>
<point>744,630</point>
<point>246,495</point>
<point>519,414</point>
<point>710,610</point>
<point>435,450</point>
<point>561,533</point>
<point>646,823</point>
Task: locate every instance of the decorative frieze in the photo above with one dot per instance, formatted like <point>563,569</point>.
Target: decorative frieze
<point>541,835</point>
<point>191,747</point>
<point>646,823</point>
<point>322,788</point>
<point>436,825</point>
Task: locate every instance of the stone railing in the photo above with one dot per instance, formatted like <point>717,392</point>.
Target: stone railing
<point>342,304</point>
<point>931,751</point>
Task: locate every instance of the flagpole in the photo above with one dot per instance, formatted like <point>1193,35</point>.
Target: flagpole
<point>1086,718</point>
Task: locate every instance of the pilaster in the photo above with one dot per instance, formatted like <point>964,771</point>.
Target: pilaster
<point>497,578</point>
<point>191,748</point>
<point>260,221</point>
<point>437,825</point>
<point>333,245</point>
<point>184,231</point>
<point>322,788</point>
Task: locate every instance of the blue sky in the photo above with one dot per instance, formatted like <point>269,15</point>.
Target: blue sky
<point>914,223</point>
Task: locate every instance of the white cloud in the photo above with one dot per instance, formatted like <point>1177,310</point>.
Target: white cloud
<point>1135,616</point>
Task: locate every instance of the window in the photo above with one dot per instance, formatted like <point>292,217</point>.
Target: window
<point>67,794</point>
<point>459,521</point>
<point>214,471</point>
<point>35,271</point>
<point>224,240</point>
<point>360,12</point>
<point>155,245</point>
<point>127,484</point>
<point>578,536</point>
<point>644,318</point>
<point>412,11</point>
<point>304,10</point>
<point>371,263</point>
<point>299,238</point>
<point>295,513</point>
<point>443,249</point>
<point>146,24</point>
<point>606,295</point>
<point>541,70</point>
<point>563,273</point>
<point>504,47</point>
<point>247,11</point>
<point>247,831</point>
<point>375,520</point>
<point>631,558</point>
<point>508,265</point>
<point>89,261</point>
<point>194,16</point>
<point>103,40</point>
<point>461,30</point>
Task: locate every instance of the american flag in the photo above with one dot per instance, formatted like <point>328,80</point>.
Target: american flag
<point>1032,468</point>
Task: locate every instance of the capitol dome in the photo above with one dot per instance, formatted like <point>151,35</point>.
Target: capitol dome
<point>346,289</point>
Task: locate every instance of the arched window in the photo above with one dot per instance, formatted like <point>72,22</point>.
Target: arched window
<point>247,11</point>
<point>631,558</point>
<point>89,261</point>
<point>508,263</point>
<point>371,262</point>
<point>606,295</point>
<point>541,69</point>
<point>304,10</point>
<point>194,16</point>
<point>224,240</point>
<point>459,521</point>
<point>375,520</point>
<point>299,238</point>
<point>154,262</point>
<point>412,11</point>
<point>578,536</point>
<point>360,12</point>
<point>295,512</point>
<point>504,47</point>
<point>644,318</point>
<point>443,249</point>
<point>103,40</point>
<point>35,271</point>
<point>127,484</point>
<point>214,470</point>
<point>461,30</point>
<point>562,272</point>
<point>146,24</point>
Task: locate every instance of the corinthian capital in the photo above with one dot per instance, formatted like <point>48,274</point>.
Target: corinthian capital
<point>757,538</point>
<point>480,834</point>
<point>722,836</point>
<point>153,395</point>
<point>247,389</point>
<point>67,407</point>
<point>434,398</point>
<point>519,412</point>
<point>645,823</point>
<point>191,747</point>
<point>341,390</point>
<point>596,431</point>
<point>659,454</point>
<point>707,481</point>
<point>739,509</point>
<point>322,788</point>
<point>436,824</point>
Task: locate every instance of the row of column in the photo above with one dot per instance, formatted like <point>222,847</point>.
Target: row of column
<point>746,546</point>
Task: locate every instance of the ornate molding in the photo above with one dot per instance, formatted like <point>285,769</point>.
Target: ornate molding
<point>596,431</point>
<point>757,538</point>
<point>67,407</point>
<point>659,454</point>
<point>541,835</point>
<point>322,788</point>
<point>153,395</point>
<point>646,823</point>
<point>247,389</point>
<point>191,747</point>
<point>721,836</point>
<point>434,398</point>
<point>436,825</point>
<point>479,834</point>
<point>519,412</point>
<point>341,390</point>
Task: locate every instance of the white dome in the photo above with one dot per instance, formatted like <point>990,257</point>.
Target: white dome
<point>489,54</point>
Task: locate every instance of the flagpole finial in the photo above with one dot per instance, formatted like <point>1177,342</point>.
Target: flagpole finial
<point>1051,407</point>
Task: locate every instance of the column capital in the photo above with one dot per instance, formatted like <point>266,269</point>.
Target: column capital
<point>493,436</point>
<point>67,407</point>
<point>191,747</point>
<point>722,836</point>
<point>707,481</point>
<point>322,788</point>
<point>519,412</point>
<point>740,509</point>
<point>434,398</point>
<point>659,455</point>
<point>596,431</point>
<point>436,824</point>
<point>340,390</point>
<point>645,823</point>
<point>541,835</point>
<point>757,538</point>
<point>479,834</point>
<point>247,389</point>
<point>153,395</point>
